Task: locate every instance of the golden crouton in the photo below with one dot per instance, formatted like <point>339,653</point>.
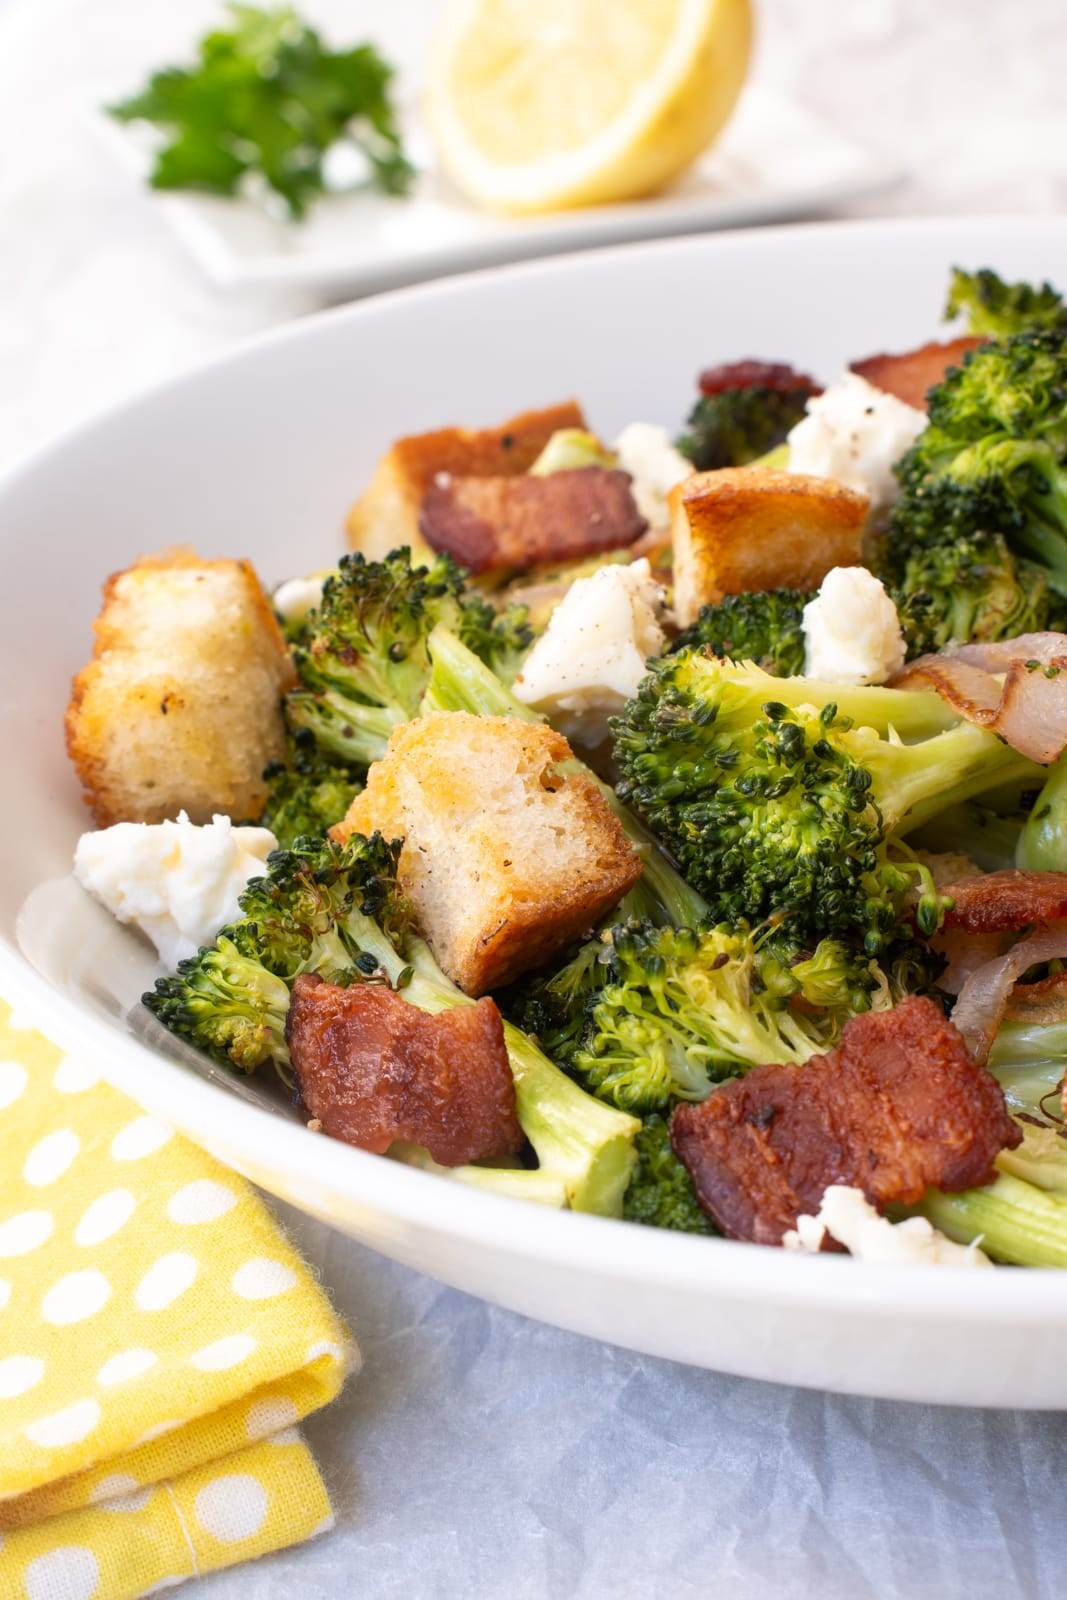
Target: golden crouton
<point>745,528</point>
<point>387,514</point>
<point>180,708</point>
<point>505,858</point>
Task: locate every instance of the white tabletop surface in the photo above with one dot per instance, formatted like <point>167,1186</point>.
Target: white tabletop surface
<point>478,1453</point>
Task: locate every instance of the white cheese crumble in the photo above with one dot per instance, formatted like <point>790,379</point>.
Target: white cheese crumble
<point>645,451</point>
<point>294,598</point>
<point>851,1219</point>
<point>852,633</point>
<point>855,433</point>
<point>176,881</point>
<point>591,657</point>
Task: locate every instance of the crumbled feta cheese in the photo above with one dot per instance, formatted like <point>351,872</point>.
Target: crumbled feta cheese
<point>647,454</point>
<point>851,1219</point>
<point>294,598</point>
<point>852,633</point>
<point>176,881</point>
<point>856,433</point>
<point>591,658</point>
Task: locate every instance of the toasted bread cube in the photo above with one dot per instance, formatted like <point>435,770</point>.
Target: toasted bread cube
<point>505,859</point>
<point>180,708</point>
<point>745,528</point>
<point>386,515</point>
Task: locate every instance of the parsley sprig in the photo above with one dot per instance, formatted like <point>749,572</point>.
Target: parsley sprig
<point>266,96</point>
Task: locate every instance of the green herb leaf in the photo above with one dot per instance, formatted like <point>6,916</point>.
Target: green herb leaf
<point>266,96</point>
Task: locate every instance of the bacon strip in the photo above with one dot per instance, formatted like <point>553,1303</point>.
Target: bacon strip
<point>510,523</point>
<point>777,375</point>
<point>373,1069</point>
<point>897,1106</point>
<point>1025,702</point>
<point>1007,901</point>
<point>913,373</point>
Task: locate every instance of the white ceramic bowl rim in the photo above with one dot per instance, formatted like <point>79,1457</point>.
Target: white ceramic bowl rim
<point>622,1250</point>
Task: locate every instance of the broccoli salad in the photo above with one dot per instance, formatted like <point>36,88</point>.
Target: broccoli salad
<point>671,828</point>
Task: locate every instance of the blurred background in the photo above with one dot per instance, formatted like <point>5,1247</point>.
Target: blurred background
<point>946,108</point>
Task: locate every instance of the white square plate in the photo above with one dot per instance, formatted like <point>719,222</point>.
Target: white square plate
<point>774,162</point>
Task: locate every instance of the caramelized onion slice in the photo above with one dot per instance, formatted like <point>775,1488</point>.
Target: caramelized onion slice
<point>984,996</point>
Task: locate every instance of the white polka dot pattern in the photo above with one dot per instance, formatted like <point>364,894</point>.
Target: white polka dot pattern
<point>165,1280</point>
<point>115,1484</point>
<point>50,1158</point>
<point>76,1296</point>
<point>68,1426</point>
<point>24,1232</point>
<point>140,1138</point>
<point>232,1507</point>
<point>270,1416</point>
<point>154,1326</point>
<point>201,1201</point>
<point>74,1075</point>
<point>70,1573</point>
<point>262,1279</point>
<point>125,1366</point>
<point>223,1353</point>
<point>19,1374</point>
<point>105,1216</point>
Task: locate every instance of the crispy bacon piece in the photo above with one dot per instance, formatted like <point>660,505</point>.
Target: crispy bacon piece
<point>910,374</point>
<point>1005,902</point>
<point>1017,688</point>
<point>897,1106</point>
<point>515,522</point>
<point>372,1069</point>
<point>777,375</point>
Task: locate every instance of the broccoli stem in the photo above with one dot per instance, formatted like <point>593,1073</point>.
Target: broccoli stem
<point>1016,1222</point>
<point>460,682</point>
<point>517,1183</point>
<point>356,733</point>
<point>918,714</point>
<point>923,779</point>
<point>1042,845</point>
<point>585,1145</point>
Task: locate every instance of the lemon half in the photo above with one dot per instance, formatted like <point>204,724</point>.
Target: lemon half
<point>536,105</point>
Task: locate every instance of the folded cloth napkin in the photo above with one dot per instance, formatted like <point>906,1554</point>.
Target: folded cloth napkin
<point>159,1340</point>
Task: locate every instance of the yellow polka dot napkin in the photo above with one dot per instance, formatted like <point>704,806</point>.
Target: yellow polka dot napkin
<point>159,1340</point>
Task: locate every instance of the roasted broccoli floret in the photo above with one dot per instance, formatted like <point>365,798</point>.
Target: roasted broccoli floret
<point>977,543</point>
<point>766,628</point>
<point>307,792</point>
<point>784,795</point>
<point>304,916</point>
<point>996,309</point>
<point>335,910</point>
<point>990,464</point>
<point>968,587</point>
<point>364,663</point>
<point>661,1192</point>
<point>681,1009</point>
<point>744,411</point>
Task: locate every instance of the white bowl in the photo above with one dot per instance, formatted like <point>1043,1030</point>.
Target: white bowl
<point>259,454</point>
